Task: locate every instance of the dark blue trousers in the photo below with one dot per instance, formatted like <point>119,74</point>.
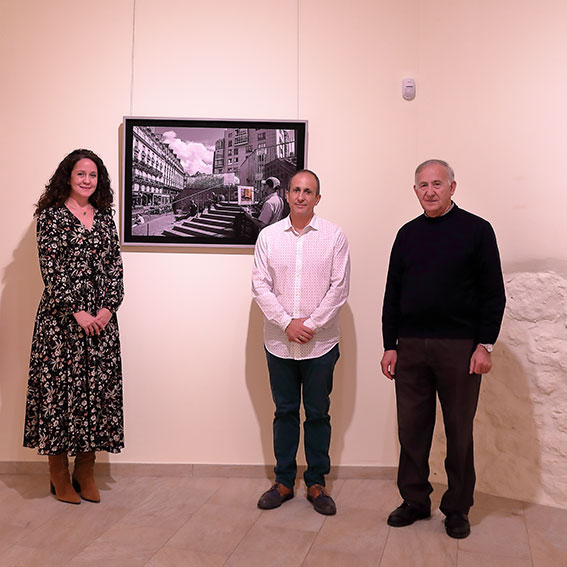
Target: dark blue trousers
<point>289,379</point>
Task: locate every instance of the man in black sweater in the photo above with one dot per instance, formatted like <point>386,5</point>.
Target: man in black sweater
<point>443,308</point>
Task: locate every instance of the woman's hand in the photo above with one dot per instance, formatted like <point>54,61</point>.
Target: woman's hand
<point>91,325</point>
<point>103,317</point>
<point>88,323</point>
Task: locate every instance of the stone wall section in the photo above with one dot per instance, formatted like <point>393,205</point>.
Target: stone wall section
<point>521,423</point>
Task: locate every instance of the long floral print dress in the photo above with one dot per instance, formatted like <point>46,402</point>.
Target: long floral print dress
<point>74,400</point>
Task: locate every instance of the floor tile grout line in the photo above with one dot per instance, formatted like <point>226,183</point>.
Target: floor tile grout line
<point>322,524</point>
<point>384,548</point>
<point>205,502</point>
<point>524,504</point>
<point>110,527</point>
<point>71,559</point>
<point>57,512</point>
<point>50,513</point>
<point>173,535</point>
<point>98,537</point>
<point>242,538</point>
<point>318,532</point>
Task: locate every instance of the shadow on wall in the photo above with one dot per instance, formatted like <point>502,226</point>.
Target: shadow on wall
<point>521,424</point>
<point>342,398</point>
<point>256,372</point>
<point>507,452</point>
<point>344,385</point>
<point>22,287</point>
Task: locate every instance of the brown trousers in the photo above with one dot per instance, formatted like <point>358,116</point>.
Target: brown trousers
<point>427,368</point>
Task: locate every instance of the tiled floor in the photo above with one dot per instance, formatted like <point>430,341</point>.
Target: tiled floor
<point>196,521</point>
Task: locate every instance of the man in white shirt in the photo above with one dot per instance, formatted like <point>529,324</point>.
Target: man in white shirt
<point>300,280</point>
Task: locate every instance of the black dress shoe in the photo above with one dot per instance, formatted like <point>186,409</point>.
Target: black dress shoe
<point>322,502</point>
<point>457,525</point>
<point>275,497</point>
<point>405,515</point>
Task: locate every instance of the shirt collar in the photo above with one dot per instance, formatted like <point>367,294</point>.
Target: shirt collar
<point>313,224</point>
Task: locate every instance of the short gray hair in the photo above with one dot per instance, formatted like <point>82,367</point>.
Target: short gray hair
<point>421,166</point>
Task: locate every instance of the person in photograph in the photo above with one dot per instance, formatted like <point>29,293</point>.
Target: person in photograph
<point>74,397</point>
<point>443,307</point>
<point>300,279</point>
<point>272,207</point>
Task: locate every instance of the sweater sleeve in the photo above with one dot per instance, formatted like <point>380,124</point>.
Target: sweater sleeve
<point>391,306</point>
<point>491,283</point>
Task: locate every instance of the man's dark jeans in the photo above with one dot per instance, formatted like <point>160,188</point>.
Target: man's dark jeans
<point>288,378</point>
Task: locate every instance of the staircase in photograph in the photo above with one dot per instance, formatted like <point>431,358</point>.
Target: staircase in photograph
<point>217,222</point>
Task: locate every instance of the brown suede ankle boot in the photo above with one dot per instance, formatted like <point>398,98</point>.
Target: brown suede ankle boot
<point>83,477</point>
<point>59,479</point>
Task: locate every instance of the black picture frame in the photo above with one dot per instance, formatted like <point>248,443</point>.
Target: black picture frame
<point>197,182</point>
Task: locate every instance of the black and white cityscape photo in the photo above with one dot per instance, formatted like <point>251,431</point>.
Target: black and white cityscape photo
<point>206,182</point>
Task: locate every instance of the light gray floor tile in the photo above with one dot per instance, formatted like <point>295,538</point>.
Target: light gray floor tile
<point>113,555</point>
<point>239,492</point>
<point>21,556</point>
<point>323,558</point>
<point>172,557</point>
<point>123,545</point>
<point>263,545</point>
<point>170,502</point>
<point>497,532</point>
<point>200,521</point>
<point>75,529</point>
<point>480,559</point>
<point>379,495</point>
<point>215,528</point>
<point>359,531</point>
<point>547,531</point>
<point>297,513</point>
<point>423,544</point>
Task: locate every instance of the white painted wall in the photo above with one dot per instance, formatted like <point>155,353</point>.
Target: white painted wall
<point>490,82</point>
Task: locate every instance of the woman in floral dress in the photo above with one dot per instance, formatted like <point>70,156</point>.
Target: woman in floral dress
<point>74,400</point>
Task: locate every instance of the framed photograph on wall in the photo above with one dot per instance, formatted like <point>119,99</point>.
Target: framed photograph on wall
<point>197,182</point>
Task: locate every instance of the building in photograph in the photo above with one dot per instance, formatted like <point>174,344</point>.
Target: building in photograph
<point>157,173</point>
<point>250,153</point>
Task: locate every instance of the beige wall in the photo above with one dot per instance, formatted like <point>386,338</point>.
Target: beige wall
<point>490,81</point>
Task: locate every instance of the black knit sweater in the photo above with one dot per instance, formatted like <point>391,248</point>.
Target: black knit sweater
<point>444,280</point>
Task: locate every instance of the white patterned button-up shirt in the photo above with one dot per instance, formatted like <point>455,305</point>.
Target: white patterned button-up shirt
<point>299,275</point>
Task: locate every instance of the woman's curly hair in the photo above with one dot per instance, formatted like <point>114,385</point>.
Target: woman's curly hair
<point>58,189</point>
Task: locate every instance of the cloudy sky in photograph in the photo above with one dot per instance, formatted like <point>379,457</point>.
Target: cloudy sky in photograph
<point>195,155</point>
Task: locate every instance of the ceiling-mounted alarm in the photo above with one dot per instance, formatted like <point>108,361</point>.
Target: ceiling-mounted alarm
<point>408,89</point>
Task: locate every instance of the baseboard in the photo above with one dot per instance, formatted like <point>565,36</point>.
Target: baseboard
<point>200,470</point>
